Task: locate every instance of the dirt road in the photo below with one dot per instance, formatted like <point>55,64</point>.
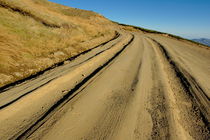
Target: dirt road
<point>137,86</point>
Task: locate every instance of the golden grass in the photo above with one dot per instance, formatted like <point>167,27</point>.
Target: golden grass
<point>35,34</point>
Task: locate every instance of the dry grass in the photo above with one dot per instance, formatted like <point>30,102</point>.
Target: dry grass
<point>35,34</point>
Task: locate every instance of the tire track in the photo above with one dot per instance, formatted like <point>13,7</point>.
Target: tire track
<point>158,103</point>
<point>109,123</point>
<point>114,114</point>
<point>40,122</point>
<point>198,103</point>
<point>159,111</point>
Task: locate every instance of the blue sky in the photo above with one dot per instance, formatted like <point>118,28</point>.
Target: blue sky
<point>186,18</point>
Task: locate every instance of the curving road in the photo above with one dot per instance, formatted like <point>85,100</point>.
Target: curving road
<point>135,87</point>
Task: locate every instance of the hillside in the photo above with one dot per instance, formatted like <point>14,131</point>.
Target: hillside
<point>67,73</point>
<point>204,41</point>
<point>36,34</point>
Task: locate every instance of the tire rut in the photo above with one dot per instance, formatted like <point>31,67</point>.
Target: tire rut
<point>108,124</point>
<point>159,110</point>
<point>41,120</point>
<point>194,105</point>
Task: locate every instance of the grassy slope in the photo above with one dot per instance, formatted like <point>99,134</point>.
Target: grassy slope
<point>35,34</point>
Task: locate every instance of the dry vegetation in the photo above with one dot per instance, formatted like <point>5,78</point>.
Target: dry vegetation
<point>35,34</point>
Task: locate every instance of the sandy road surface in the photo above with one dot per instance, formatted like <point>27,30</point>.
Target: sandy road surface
<point>138,86</point>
